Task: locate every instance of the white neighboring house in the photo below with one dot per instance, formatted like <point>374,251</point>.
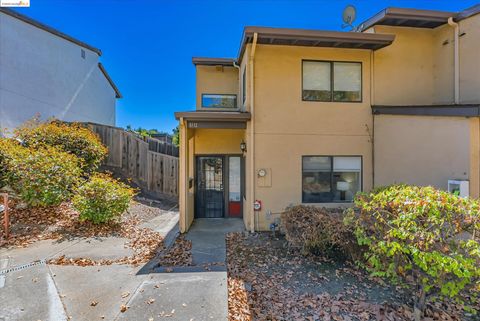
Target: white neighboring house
<point>48,73</point>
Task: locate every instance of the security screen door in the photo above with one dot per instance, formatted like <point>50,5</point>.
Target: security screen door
<point>209,194</point>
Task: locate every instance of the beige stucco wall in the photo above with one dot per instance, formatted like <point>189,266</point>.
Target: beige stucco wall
<point>287,128</point>
<point>216,80</point>
<point>469,60</point>
<point>417,69</point>
<point>404,70</point>
<point>443,65</point>
<point>218,141</point>
<point>421,150</point>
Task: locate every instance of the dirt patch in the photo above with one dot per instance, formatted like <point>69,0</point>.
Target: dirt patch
<point>267,281</point>
<point>29,225</point>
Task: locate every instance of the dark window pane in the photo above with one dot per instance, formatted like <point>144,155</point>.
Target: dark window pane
<point>219,101</point>
<point>316,181</point>
<point>330,179</point>
<point>347,82</point>
<point>319,95</point>
<point>345,186</point>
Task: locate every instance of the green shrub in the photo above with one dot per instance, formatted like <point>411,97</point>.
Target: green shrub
<point>72,138</point>
<point>422,238</point>
<point>318,231</point>
<point>40,177</point>
<point>102,199</point>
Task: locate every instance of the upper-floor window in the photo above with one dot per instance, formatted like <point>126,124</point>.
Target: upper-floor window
<point>331,81</point>
<point>219,101</point>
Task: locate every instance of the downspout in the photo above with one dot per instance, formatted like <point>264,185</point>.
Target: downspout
<point>372,102</point>
<point>456,64</point>
<point>234,64</point>
<point>252,130</point>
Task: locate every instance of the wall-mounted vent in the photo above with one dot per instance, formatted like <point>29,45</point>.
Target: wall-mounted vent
<point>459,187</point>
<point>82,53</point>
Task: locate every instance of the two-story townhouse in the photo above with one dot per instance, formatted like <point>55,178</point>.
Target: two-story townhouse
<point>313,117</point>
<point>45,72</point>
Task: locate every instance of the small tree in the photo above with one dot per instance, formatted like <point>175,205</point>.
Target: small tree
<point>102,199</point>
<point>176,136</point>
<point>421,237</point>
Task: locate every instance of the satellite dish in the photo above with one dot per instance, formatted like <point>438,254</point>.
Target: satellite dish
<point>348,16</point>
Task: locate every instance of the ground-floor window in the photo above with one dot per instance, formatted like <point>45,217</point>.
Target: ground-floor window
<point>330,179</point>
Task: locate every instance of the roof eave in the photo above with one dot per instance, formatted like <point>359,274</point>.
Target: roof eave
<point>110,81</point>
<point>314,38</point>
<point>404,14</point>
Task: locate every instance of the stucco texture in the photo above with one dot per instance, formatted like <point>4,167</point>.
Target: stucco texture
<point>45,75</point>
<point>421,150</point>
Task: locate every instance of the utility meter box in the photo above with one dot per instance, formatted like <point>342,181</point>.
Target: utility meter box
<point>459,187</point>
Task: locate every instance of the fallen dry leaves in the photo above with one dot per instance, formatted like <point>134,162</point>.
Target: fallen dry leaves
<point>266,281</point>
<point>179,254</point>
<point>29,225</point>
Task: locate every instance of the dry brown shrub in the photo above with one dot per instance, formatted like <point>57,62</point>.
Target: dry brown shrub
<point>319,231</point>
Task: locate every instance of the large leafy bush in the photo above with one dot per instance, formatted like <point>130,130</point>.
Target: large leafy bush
<point>71,138</point>
<point>40,177</point>
<point>319,231</point>
<point>102,199</point>
<point>421,237</point>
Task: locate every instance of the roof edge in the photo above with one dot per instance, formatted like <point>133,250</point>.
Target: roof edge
<point>319,36</point>
<point>467,13</point>
<point>49,29</point>
<point>405,13</point>
<point>209,61</point>
<point>110,81</point>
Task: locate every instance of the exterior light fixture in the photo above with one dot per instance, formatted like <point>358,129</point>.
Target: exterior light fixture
<point>243,146</point>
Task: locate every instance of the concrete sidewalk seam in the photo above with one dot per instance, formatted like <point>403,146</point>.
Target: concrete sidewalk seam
<point>50,274</point>
<point>130,299</point>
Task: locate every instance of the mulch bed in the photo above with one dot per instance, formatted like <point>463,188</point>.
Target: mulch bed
<point>268,281</point>
<point>29,225</point>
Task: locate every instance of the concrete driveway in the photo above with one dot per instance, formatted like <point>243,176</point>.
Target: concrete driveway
<point>51,292</point>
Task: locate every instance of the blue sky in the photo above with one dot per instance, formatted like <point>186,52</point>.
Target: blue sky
<point>147,45</point>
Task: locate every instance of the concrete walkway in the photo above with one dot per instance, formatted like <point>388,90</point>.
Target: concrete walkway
<point>204,285</point>
<point>208,238</point>
<point>45,292</point>
<point>51,292</point>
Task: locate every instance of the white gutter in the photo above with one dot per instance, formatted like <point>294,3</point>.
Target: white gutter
<point>456,64</point>
<point>252,130</point>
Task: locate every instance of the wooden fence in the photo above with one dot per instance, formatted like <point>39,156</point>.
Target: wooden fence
<point>155,173</point>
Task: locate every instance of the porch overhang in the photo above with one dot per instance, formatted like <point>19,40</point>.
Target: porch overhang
<point>214,119</point>
<point>460,110</point>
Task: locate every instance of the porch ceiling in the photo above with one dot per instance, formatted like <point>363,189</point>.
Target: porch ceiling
<point>213,115</point>
<point>215,119</point>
